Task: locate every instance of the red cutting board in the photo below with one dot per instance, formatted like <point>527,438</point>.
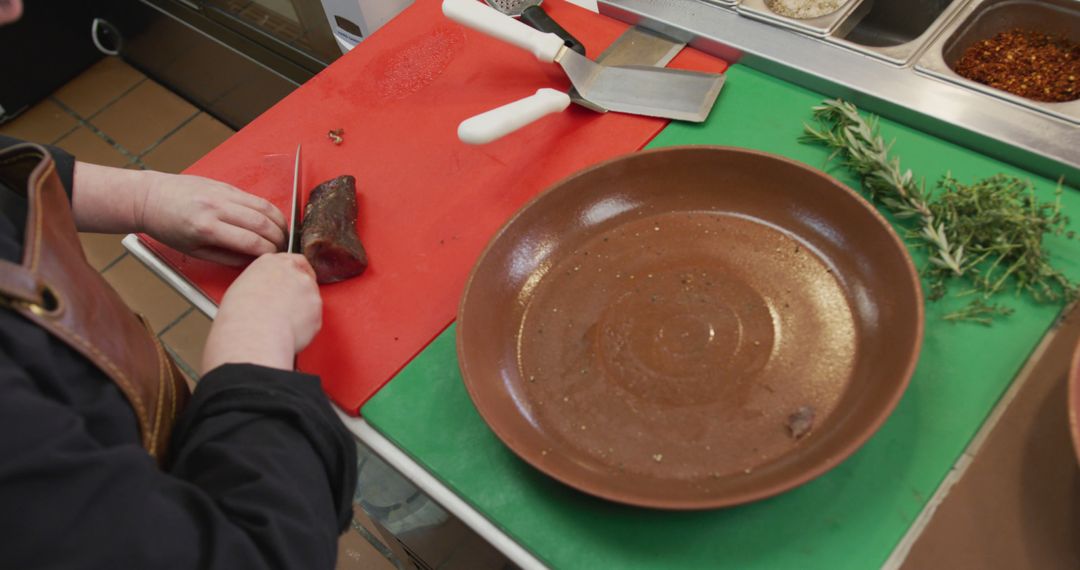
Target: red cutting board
<point>428,203</point>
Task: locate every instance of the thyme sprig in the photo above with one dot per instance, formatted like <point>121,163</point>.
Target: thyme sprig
<point>989,233</point>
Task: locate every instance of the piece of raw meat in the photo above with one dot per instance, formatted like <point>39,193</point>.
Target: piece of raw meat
<point>328,233</point>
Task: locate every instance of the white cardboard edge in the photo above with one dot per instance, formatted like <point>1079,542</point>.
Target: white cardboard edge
<point>378,443</point>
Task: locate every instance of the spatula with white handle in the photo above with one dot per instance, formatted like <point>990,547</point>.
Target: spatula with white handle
<point>657,92</point>
<point>501,121</point>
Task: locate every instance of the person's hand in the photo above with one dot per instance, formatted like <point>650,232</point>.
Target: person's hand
<point>10,10</point>
<point>271,312</point>
<point>210,220</point>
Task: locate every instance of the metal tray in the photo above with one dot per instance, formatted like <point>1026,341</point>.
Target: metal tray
<point>983,19</point>
<point>894,30</point>
<point>820,26</point>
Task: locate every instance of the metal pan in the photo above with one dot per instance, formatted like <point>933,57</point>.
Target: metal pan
<point>655,329</point>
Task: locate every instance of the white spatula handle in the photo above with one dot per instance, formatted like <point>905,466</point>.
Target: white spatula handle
<point>501,121</point>
<point>498,25</point>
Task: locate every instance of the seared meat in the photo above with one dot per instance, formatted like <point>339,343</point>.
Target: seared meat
<point>328,233</point>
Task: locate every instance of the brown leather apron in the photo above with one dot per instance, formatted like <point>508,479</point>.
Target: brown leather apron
<point>56,288</point>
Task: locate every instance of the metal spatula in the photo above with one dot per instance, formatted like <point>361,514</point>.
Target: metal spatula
<point>636,46</point>
<point>657,92</point>
<point>532,14</point>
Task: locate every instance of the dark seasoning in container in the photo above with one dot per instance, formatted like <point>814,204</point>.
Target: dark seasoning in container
<point>1022,51</point>
<point>1028,63</point>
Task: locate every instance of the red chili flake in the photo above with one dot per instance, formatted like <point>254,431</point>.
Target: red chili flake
<point>1027,63</point>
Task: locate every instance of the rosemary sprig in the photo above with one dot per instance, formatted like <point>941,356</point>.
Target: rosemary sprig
<point>988,233</point>
<point>864,151</point>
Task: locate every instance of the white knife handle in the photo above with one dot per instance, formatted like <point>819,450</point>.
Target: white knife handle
<point>498,25</point>
<point>501,121</point>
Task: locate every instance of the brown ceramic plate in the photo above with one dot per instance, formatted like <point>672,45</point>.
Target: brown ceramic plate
<point>1074,400</point>
<point>649,329</point>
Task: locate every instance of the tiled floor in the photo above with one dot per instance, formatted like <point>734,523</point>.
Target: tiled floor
<point>114,115</point>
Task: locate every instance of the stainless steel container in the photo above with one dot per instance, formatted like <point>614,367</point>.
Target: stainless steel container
<point>1020,133</point>
<point>983,19</point>
<point>819,26</point>
<point>894,30</point>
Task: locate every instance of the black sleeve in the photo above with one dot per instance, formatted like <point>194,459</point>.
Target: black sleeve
<point>261,476</point>
<point>65,163</point>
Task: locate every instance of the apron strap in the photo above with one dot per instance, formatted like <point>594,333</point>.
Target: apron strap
<point>19,285</point>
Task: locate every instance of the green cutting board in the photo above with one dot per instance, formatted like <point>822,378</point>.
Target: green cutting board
<point>853,516</point>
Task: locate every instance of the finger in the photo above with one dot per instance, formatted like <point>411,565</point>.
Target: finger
<point>260,205</point>
<point>302,264</point>
<point>238,240</point>
<point>222,256</point>
<point>249,219</point>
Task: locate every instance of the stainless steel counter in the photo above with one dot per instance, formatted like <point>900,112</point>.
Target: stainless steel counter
<point>996,125</point>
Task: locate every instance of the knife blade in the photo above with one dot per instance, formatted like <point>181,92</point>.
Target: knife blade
<point>294,211</point>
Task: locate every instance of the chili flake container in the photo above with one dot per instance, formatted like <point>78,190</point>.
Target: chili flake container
<point>986,20</point>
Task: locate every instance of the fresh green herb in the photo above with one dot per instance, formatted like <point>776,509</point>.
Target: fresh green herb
<point>989,233</point>
<point>1000,223</point>
<point>978,311</point>
<point>865,152</point>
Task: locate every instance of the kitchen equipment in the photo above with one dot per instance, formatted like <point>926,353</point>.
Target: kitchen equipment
<point>457,196</point>
<point>653,329</point>
<point>669,93</point>
<point>353,20</point>
<point>817,26</point>
<point>982,20</point>
<point>294,210</point>
<point>636,46</point>
<point>531,13</point>
<point>56,32</point>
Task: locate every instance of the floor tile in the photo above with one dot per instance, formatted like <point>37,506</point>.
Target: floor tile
<point>365,521</point>
<point>187,339</point>
<point>101,249</point>
<point>94,88</point>
<point>42,123</point>
<point>188,380</point>
<point>89,147</point>
<point>145,293</point>
<point>188,144</point>
<point>355,553</point>
<point>143,116</point>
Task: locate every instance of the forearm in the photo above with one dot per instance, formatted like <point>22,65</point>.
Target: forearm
<point>111,200</point>
<point>237,342</point>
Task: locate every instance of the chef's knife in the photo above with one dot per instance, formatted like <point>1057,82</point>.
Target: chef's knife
<point>294,212</point>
